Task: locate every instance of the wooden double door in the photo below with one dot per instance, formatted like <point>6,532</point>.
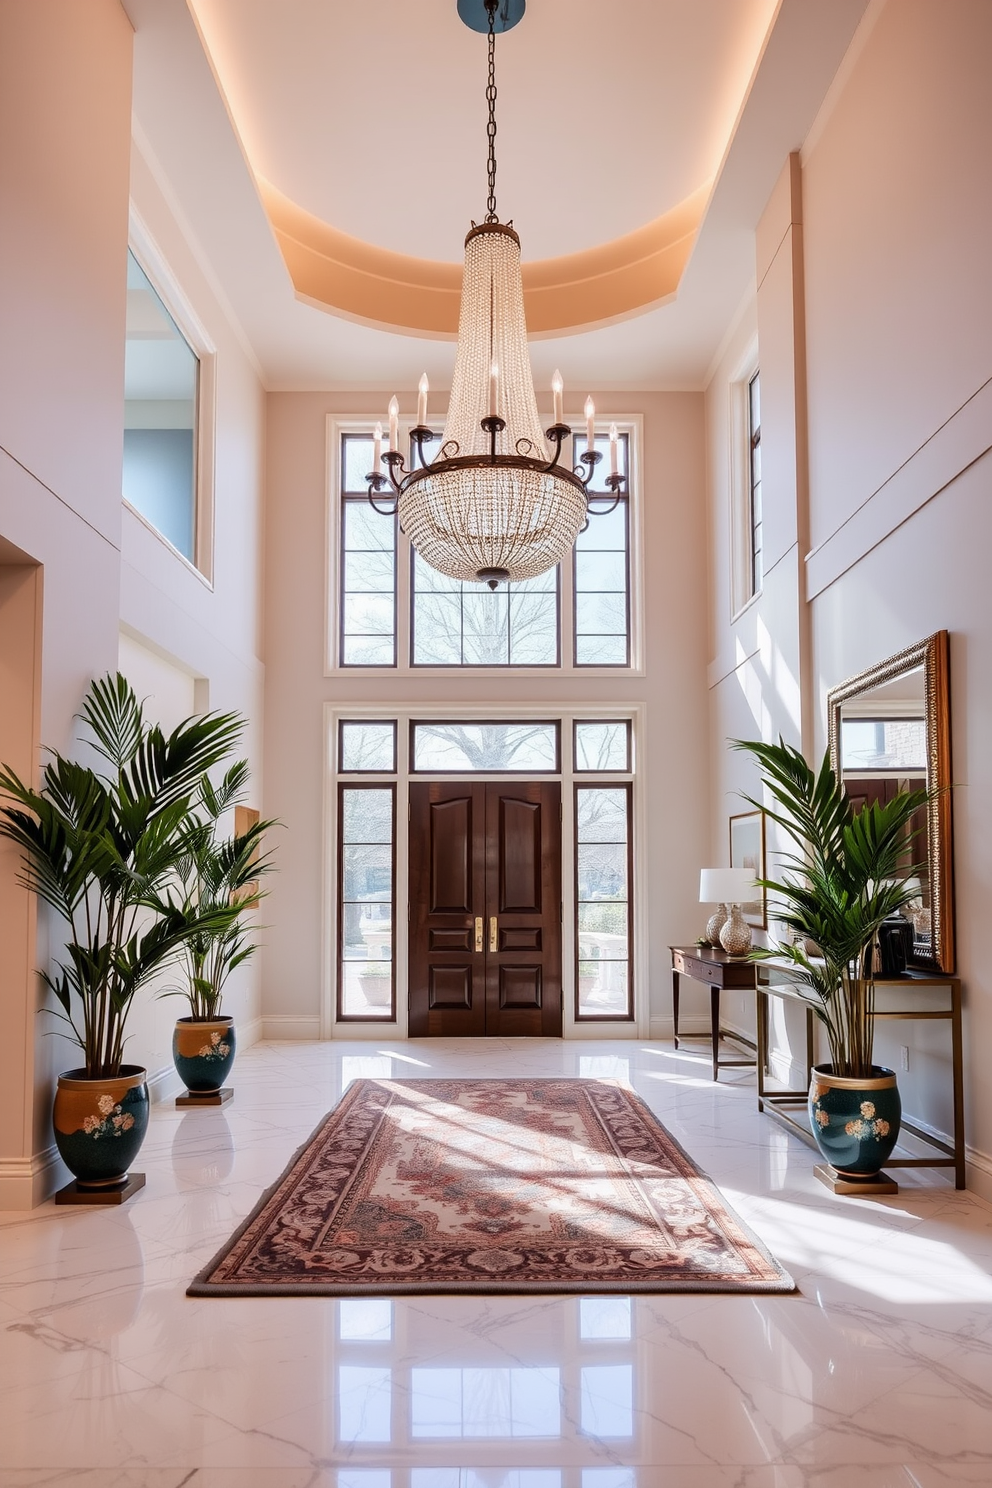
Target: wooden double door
<point>485,909</point>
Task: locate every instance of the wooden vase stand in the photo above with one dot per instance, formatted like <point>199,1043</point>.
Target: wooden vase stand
<point>115,1193</point>
<point>208,1098</point>
<point>850,1183</point>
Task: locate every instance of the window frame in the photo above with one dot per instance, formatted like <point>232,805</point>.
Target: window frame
<point>358,423</point>
<point>742,591</point>
<point>589,770</point>
<point>166,285</point>
<point>624,503</point>
<point>339,1014</point>
<point>627,786</point>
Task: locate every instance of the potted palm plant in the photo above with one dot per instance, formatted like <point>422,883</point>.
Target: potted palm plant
<point>219,882</point>
<point>98,846</point>
<point>847,876</point>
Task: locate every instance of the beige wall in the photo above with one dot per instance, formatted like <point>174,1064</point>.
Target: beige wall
<point>896,218</point>
<point>672,688</point>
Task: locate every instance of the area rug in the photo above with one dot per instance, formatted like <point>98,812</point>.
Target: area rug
<point>490,1186</point>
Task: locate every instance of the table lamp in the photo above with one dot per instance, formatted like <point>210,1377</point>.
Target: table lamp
<point>728,888</point>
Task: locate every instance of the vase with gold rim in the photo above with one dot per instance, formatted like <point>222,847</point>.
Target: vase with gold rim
<point>855,1119</point>
<point>203,1050</point>
<point>100,1124</point>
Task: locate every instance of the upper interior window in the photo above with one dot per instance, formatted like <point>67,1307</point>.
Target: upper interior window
<point>161,382</point>
<point>754,482</point>
<point>496,746</point>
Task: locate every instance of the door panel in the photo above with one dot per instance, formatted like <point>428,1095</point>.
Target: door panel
<point>485,909</point>
<point>447,892</point>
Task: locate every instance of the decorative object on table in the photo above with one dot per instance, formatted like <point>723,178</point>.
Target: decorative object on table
<point>494,505</point>
<point>470,1186</point>
<point>747,850</point>
<point>100,846</point>
<point>216,875</point>
<point>838,889</point>
<point>707,895</point>
<point>728,888</point>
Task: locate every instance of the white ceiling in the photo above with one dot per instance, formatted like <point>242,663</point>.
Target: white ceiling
<point>371,116</point>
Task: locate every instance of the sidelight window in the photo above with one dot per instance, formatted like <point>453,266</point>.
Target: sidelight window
<point>602,902</point>
<point>366,901</point>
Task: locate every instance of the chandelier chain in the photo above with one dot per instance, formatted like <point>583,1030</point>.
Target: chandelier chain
<point>491,213</point>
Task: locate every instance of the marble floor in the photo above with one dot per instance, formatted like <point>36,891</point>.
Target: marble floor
<point>878,1372</point>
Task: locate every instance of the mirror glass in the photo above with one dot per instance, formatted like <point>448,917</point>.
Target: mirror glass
<point>890,731</point>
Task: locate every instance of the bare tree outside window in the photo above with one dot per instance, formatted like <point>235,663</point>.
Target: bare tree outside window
<point>485,746</point>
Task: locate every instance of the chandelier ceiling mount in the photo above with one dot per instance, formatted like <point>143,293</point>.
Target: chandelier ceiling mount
<point>496,503</point>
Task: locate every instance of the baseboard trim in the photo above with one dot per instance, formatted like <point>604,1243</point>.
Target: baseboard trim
<point>26,1182</point>
<point>291,1027</point>
<point>249,1033</point>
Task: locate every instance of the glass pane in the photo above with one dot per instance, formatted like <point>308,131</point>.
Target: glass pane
<point>485,746</point>
<point>603,989</point>
<point>370,571</point>
<point>368,873</point>
<point>603,928</point>
<point>533,629</point>
<point>437,624</point>
<point>366,990</point>
<point>356,462</point>
<point>602,746</point>
<point>601,614</point>
<point>485,622</point>
<point>368,615</point>
<point>368,746</point>
<point>367,651</point>
<point>367,816</point>
<point>883,744</point>
<point>367,933</point>
<point>602,870</point>
<point>601,651</point>
<point>596,570</point>
<point>601,815</point>
<point>161,379</point>
<point>606,531</point>
<point>366,529</point>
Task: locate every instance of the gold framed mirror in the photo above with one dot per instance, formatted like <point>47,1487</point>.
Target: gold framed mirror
<point>890,728</point>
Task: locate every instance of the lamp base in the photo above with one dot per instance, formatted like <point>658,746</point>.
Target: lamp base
<point>715,924</point>
<point>735,936</point>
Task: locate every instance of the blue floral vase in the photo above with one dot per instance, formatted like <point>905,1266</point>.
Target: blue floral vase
<point>855,1121</point>
<point>203,1050</point>
<point>100,1124</point>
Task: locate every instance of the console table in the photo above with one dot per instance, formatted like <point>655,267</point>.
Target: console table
<point>915,996</point>
<point>718,971</point>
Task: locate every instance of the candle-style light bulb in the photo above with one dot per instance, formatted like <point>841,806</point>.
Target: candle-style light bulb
<point>590,411</point>
<point>557,388</point>
<point>394,424</point>
<point>614,443</point>
<point>376,448</point>
<point>493,389</point>
<point>422,391</point>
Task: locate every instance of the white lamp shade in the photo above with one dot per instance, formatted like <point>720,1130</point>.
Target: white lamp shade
<point>726,885</point>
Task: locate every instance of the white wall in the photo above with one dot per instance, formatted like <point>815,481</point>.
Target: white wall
<point>72,569</point>
<point>895,222</point>
<point>672,688</point>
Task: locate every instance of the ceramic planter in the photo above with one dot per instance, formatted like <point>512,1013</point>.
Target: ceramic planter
<point>100,1125</point>
<point>855,1121</point>
<point>203,1050</point>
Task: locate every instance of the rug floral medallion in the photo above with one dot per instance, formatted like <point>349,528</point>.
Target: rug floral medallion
<point>526,1185</point>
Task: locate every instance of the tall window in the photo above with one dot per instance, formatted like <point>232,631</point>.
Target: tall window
<point>754,481</point>
<point>368,564</point>
<point>161,390</point>
<point>396,609</point>
<point>603,902</point>
<point>366,901</point>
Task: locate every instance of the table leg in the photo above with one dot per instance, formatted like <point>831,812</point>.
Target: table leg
<point>957,1077</point>
<point>675,1005</point>
<point>715,1029</point>
<point>761,1038</point>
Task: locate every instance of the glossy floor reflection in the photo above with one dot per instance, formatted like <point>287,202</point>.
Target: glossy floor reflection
<point>877,1373</point>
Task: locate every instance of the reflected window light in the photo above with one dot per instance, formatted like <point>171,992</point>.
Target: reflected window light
<point>364,1477</point>
<point>364,1402</point>
<point>436,1477</point>
<point>607,1399</point>
<point>364,1067</point>
<point>609,1477</point>
<point>604,1317</point>
<point>485,1403</point>
<point>369,1319</point>
<point>603,1067</point>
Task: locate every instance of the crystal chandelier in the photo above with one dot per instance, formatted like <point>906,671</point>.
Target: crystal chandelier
<point>496,503</point>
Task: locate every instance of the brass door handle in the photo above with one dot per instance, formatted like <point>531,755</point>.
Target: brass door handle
<point>478,932</point>
<point>493,936</point>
